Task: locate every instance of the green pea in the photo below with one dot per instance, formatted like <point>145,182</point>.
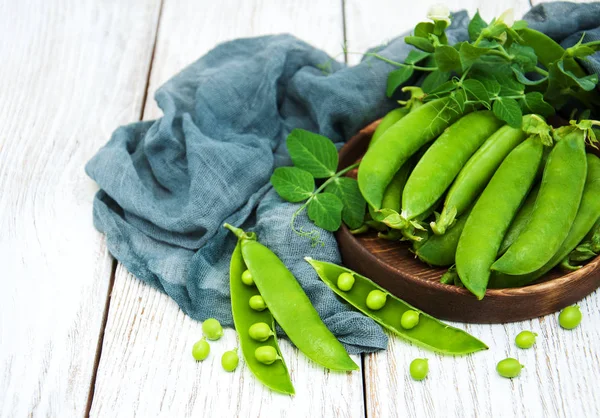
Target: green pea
<point>376,300</point>
<point>266,354</point>
<point>257,303</point>
<point>345,281</point>
<point>201,350</point>
<point>570,317</point>
<point>260,331</point>
<point>419,368</point>
<point>212,329</point>
<point>509,368</point>
<point>247,278</point>
<point>230,360</point>
<point>525,339</point>
<point>410,319</point>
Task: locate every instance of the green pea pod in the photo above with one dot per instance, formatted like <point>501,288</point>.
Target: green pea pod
<point>555,207</point>
<point>387,121</point>
<point>492,214</point>
<point>587,216</point>
<point>476,174</point>
<point>290,306</point>
<point>520,221</point>
<point>429,333</point>
<point>275,376</point>
<point>442,162</point>
<point>392,198</point>
<point>399,143</point>
<point>440,250</point>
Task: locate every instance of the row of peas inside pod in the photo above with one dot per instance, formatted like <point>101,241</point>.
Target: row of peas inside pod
<point>501,206</point>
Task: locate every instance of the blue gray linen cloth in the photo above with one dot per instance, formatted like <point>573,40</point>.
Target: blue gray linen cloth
<point>168,185</point>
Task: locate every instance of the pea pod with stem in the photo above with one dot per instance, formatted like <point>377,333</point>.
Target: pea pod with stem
<point>491,216</point>
<point>428,333</point>
<point>587,216</point>
<point>555,208</point>
<point>274,376</point>
<point>290,306</point>
<point>399,143</point>
<point>442,162</point>
<point>476,174</point>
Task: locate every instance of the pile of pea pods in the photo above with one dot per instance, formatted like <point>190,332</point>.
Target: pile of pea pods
<point>500,206</point>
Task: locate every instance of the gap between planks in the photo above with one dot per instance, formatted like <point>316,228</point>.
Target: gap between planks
<point>98,353</point>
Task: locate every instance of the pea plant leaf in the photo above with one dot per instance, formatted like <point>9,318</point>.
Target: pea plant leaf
<point>447,58</point>
<point>313,153</point>
<point>469,54</point>
<point>522,78</point>
<point>421,43</point>
<point>476,25</point>
<point>587,83</point>
<point>397,78</point>
<point>346,189</point>
<point>416,56</point>
<point>293,184</point>
<point>325,210</point>
<point>434,79</point>
<point>423,29</point>
<point>508,110</point>
<point>534,103</point>
<point>477,92</point>
<point>523,56</point>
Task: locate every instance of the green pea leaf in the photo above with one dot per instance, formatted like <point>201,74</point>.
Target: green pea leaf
<point>347,190</point>
<point>522,78</point>
<point>415,56</point>
<point>469,54</point>
<point>446,87</point>
<point>580,51</point>
<point>434,80</point>
<point>325,210</point>
<point>293,184</point>
<point>534,103</point>
<point>476,25</point>
<point>460,98</point>
<point>447,58</point>
<point>509,111</point>
<point>396,78</point>
<point>423,29</point>
<point>587,82</point>
<point>509,86</point>
<point>476,91</point>
<point>420,43</point>
<point>519,24</point>
<point>491,85</point>
<point>313,153</point>
<point>523,56</point>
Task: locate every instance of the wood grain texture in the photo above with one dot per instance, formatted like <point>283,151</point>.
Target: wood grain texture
<point>70,72</point>
<point>383,20</point>
<point>146,367</point>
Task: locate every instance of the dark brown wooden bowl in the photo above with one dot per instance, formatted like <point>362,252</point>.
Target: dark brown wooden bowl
<point>394,267</point>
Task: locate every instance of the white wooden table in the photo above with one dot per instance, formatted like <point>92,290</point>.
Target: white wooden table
<point>80,336</point>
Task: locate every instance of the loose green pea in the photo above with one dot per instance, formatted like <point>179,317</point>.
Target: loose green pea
<point>409,319</point>
<point>570,317</point>
<point>212,329</point>
<point>376,300</point>
<point>266,354</point>
<point>201,350</point>
<point>525,339</point>
<point>260,331</point>
<point>247,278</point>
<point>419,368</point>
<point>345,281</point>
<point>230,360</point>
<point>257,303</point>
<point>509,368</point>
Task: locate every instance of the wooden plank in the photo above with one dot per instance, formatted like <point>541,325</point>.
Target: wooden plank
<point>383,20</point>
<point>146,366</point>
<point>70,73</point>
<point>560,370</point>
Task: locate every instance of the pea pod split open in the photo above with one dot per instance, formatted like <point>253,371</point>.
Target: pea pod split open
<point>275,376</point>
<point>429,333</point>
<point>290,306</point>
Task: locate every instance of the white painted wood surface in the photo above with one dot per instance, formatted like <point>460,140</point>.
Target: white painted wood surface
<point>146,367</point>
<point>70,72</point>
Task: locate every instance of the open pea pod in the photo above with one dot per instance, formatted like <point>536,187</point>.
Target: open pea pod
<point>430,333</point>
<point>275,376</point>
